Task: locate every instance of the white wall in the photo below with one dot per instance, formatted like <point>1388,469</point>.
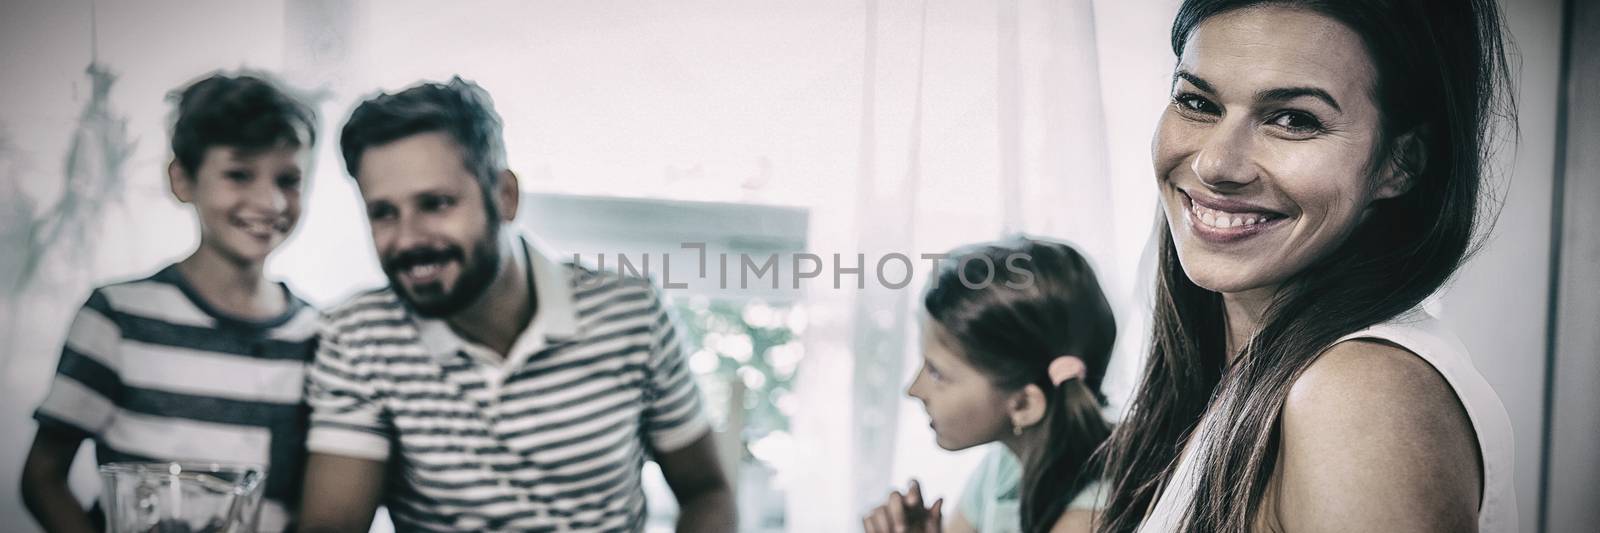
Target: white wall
<point>44,48</point>
<point>1498,304</point>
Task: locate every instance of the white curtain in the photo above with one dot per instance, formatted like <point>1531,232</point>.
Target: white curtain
<point>902,126</point>
<point>978,120</point>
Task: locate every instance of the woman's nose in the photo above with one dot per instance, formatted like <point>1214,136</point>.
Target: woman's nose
<point>1225,156</point>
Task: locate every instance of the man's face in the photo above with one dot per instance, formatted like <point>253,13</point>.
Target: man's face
<point>436,236</point>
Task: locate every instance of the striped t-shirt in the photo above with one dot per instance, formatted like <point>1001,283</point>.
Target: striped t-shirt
<point>150,372</point>
<point>552,438</point>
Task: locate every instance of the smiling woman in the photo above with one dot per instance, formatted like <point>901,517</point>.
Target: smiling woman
<point>1318,168</point>
<point>1263,171</point>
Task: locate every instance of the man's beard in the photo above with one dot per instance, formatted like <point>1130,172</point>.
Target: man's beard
<point>432,300</point>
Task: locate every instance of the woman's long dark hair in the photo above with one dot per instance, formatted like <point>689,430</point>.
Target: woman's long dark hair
<point>1441,75</point>
<point>1042,300</point>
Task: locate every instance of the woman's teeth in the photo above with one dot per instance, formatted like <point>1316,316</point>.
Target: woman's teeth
<point>1223,219</point>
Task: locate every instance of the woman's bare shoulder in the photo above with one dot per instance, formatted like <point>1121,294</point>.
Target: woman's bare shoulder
<point>1372,431</point>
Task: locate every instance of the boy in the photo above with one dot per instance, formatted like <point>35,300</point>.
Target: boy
<point>205,360</point>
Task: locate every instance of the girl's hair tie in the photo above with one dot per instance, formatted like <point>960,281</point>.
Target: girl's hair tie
<point>1064,368</point>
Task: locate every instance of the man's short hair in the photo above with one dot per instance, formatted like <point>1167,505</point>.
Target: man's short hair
<point>250,112</point>
<point>460,109</point>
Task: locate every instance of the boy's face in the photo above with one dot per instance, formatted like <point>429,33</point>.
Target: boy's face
<point>248,200</point>
<point>434,233</point>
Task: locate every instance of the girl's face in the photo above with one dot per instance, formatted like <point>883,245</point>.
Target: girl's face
<point>1265,156</point>
<point>964,408</point>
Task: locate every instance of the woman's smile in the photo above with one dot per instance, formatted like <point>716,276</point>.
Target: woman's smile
<point>1224,221</point>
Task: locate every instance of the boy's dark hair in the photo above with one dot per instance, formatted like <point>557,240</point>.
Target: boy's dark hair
<point>247,111</point>
<point>460,109</point>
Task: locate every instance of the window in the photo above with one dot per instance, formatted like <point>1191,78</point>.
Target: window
<point>741,336</point>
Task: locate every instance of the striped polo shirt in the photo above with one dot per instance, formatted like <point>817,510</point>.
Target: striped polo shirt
<point>551,438</point>
<point>150,372</point>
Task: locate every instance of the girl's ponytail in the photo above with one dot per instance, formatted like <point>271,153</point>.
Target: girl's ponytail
<point>1066,465</point>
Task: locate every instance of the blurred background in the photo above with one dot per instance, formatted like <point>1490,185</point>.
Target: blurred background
<point>756,129</point>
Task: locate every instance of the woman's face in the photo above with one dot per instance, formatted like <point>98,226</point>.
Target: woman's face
<point>964,408</point>
<point>1265,155</point>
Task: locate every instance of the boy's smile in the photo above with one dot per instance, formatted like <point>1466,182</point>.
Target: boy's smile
<point>261,227</point>
<point>248,201</point>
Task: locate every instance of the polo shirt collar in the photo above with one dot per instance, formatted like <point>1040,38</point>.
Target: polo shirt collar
<point>554,321</point>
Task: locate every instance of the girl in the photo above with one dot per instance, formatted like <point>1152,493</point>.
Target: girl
<point>1015,340</point>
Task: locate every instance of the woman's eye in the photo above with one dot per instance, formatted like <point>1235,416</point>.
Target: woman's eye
<point>1296,121</point>
<point>1194,103</point>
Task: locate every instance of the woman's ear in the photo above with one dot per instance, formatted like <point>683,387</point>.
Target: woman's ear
<point>180,181</point>
<point>1027,407</point>
<point>1407,160</point>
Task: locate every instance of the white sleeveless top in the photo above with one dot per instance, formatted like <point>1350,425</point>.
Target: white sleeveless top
<point>1425,336</point>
